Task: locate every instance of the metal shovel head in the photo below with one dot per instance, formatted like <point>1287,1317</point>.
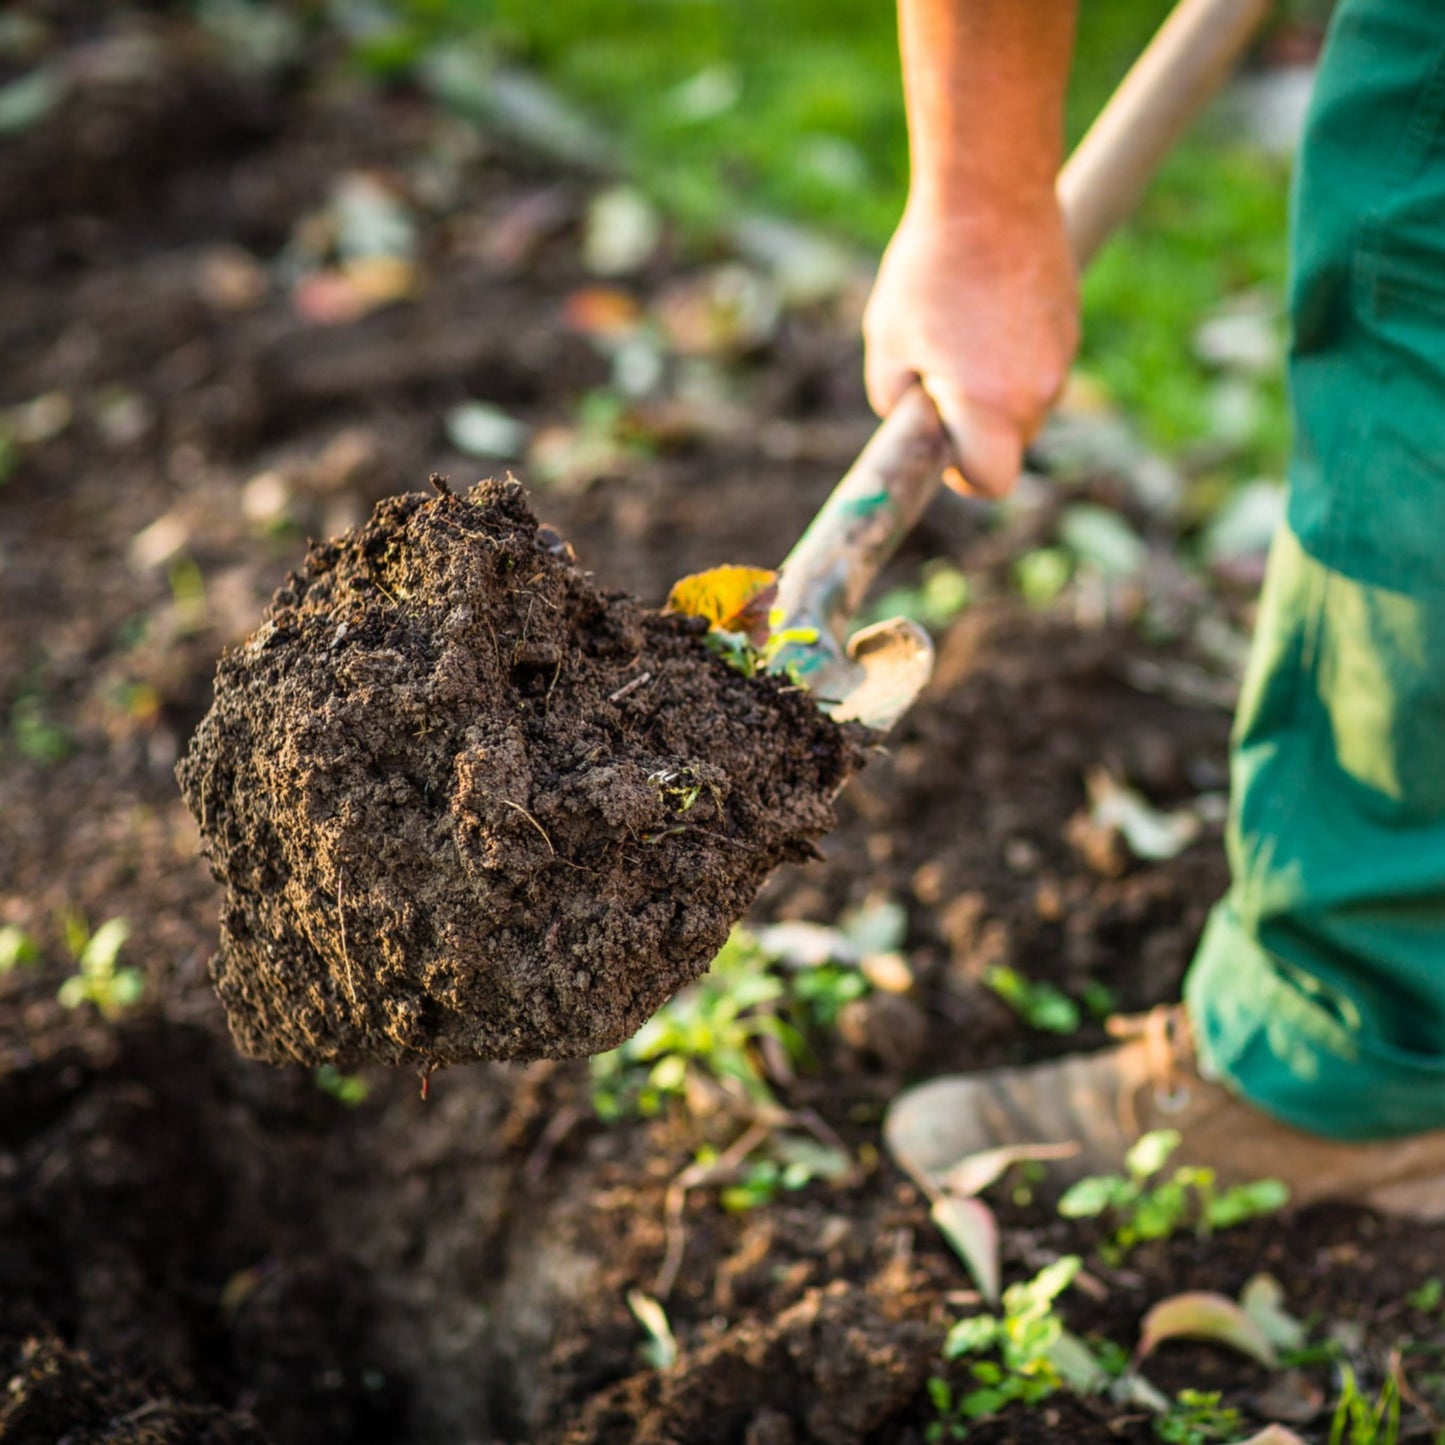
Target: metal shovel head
<point>888,665</point>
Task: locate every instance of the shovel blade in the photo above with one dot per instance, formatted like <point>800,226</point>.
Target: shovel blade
<point>888,665</point>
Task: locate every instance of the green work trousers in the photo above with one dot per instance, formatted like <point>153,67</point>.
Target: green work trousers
<point>1319,987</point>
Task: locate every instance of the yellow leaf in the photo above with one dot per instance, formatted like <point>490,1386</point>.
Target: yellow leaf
<point>733,599</point>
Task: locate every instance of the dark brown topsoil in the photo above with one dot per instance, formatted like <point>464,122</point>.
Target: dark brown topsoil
<point>467,805</point>
<point>191,1241</point>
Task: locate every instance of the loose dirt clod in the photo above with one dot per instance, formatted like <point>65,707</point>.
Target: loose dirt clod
<point>466,804</point>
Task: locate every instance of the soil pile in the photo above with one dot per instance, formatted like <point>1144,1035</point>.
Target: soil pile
<point>466,804</point>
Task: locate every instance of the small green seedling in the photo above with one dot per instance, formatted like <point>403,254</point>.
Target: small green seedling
<point>37,739</point>
<point>941,594</point>
<point>1197,1418</point>
<point>717,1026</point>
<point>682,787</point>
<point>1039,1005</point>
<point>713,1028</point>
<point>660,1350</point>
<point>1034,1354</point>
<point>1426,1298</point>
<point>786,1163</point>
<point>1359,1421</point>
<point>739,653</point>
<point>1144,1207</point>
<point>99,981</point>
<point>1041,575</point>
<point>348,1089</point>
<point>17,949</point>
<point>823,990</point>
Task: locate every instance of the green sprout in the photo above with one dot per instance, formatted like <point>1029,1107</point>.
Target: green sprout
<point>1359,1421</point>
<point>98,980</point>
<point>713,1028</point>
<point>1197,1418</point>
<point>785,1164</point>
<point>1144,1206</point>
<point>1033,1354</point>
<point>349,1090</point>
<point>17,949</point>
<point>738,651</point>
<point>1039,1005</point>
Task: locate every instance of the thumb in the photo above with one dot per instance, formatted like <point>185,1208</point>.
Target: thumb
<point>988,446</point>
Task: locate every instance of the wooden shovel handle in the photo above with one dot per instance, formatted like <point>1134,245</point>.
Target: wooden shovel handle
<point>897,474</point>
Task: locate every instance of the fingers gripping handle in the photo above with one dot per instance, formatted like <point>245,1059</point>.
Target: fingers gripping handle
<point>825,576</point>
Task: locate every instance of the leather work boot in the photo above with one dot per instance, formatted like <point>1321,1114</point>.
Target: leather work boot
<point>1105,1101</point>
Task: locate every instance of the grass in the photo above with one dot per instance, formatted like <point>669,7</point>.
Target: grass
<point>794,106</point>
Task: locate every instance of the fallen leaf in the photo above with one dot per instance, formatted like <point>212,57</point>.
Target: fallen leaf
<point>601,312</point>
<point>1150,833</point>
<point>621,232</point>
<point>338,295</point>
<point>1262,1299</point>
<point>878,926</point>
<point>806,266</point>
<point>1078,1364</point>
<point>481,430</point>
<point>975,1172</point>
<point>1274,1435</point>
<point>1245,525</point>
<point>972,1234</point>
<point>1103,538</point>
<point>1131,1388</point>
<point>1203,1315</point>
<point>721,313</point>
<point>733,599</point>
<point>24,103</point>
<point>661,1348</point>
<point>370,219</point>
<point>711,92</point>
<point>801,944</point>
<point>1245,335</point>
<point>470,81</point>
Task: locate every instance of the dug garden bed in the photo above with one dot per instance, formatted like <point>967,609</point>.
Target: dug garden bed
<point>198,1246</point>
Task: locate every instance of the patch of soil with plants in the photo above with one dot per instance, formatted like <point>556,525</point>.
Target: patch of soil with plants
<point>468,805</point>
<point>196,1245</point>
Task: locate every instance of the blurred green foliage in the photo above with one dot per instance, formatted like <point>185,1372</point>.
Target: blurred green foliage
<point>794,106</point>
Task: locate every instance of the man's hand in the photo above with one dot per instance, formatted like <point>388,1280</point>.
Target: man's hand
<point>977,296</point>
<point>983,310</point>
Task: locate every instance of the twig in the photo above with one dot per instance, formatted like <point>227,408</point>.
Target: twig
<point>641,680</point>
<point>509,803</point>
<point>1409,1395</point>
<point>341,919</point>
<point>559,1126</point>
<point>694,1176</point>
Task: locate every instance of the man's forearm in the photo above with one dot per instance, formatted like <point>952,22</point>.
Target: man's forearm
<point>984,82</point>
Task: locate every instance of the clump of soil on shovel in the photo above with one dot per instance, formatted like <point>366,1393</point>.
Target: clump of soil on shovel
<point>466,804</point>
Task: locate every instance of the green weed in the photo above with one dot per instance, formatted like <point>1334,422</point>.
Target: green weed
<point>715,1029</point>
<point>99,980</point>
<point>1358,1420</point>
<point>741,655</point>
<point>941,593</point>
<point>347,1089</point>
<point>38,739</point>
<point>1426,1298</point>
<point>17,949</point>
<point>1143,1206</point>
<point>1034,1355</point>
<point>1039,1005</point>
<point>1196,1418</point>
